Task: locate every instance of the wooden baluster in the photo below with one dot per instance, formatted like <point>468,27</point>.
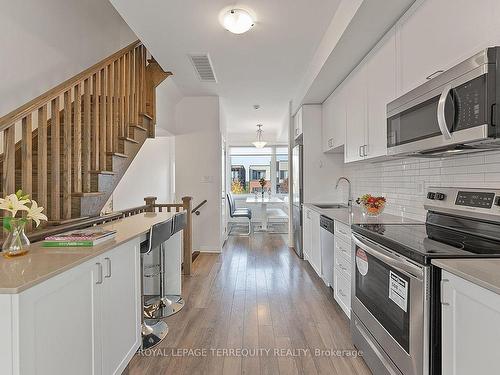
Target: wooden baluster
<point>42,158</point>
<point>127,96</point>
<point>55,156</point>
<point>102,121</point>
<point>133,88</point>
<point>109,112</point>
<point>77,140</point>
<point>9,161</point>
<point>143,79</point>
<point>137,85</point>
<point>26,155</point>
<point>116,105</point>
<point>121,65</point>
<point>187,237</point>
<point>94,163</point>
<point>86,136</point>
<point>66,162</point>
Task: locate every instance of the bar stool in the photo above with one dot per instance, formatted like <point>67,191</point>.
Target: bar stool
<point>164,305</point>
<point>153,330</point>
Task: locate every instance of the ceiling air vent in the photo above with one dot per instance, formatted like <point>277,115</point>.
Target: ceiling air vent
<point>203,67</point>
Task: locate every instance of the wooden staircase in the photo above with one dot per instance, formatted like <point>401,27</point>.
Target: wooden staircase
<point>70,147</point>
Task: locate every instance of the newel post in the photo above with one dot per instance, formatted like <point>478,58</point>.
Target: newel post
<point>150,201</point>
<point>187,236</point>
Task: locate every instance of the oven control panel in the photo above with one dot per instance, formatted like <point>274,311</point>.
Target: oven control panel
<point>465,201</point>
<point>475,199</point>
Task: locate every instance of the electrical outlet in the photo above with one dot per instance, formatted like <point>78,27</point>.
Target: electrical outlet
<point>420,187</point>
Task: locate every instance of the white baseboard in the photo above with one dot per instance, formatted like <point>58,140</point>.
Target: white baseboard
<point>208,249</point>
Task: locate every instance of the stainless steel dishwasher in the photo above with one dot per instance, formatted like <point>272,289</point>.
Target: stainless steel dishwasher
<point>327,246</point>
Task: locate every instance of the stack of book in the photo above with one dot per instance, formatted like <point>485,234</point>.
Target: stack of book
<point>81,237</point>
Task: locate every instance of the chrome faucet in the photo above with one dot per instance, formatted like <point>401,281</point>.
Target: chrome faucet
<point>349,198</point>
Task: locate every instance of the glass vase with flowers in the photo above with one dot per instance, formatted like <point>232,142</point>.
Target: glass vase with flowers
<point>19,210</point>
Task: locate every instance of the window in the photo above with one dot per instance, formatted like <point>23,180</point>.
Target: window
<point>254,169</point>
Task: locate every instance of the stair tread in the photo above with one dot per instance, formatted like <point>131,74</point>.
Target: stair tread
<point>119,154</point>
<point>128,139</point>
<point>102,172</point>
<point>138,127</point>
<point>91,194</point>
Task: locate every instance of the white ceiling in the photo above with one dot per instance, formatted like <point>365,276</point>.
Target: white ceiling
<point>263,66</point>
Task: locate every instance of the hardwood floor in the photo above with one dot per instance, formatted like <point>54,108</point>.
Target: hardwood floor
<point>259,298</point>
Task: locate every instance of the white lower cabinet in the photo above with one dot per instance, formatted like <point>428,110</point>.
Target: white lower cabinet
<point>470,327</point>
<point>342,269</point>
<point>83,321</point>
<point>120,308</point>
<point>312,239</point>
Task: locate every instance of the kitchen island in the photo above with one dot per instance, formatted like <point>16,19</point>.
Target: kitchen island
<point>77,309</point>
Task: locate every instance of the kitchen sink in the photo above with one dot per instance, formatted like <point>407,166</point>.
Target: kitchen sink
<point>329,206</point>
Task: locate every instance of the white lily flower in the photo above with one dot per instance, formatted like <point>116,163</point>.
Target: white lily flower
<point>35,213</point>
<point>12,204</point>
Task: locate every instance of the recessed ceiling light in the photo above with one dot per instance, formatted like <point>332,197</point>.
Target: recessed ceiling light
<point>237,21</point>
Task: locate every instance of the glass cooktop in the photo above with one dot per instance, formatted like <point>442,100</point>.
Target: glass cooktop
<point>441,236</point>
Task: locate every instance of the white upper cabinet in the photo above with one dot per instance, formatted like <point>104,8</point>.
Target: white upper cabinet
<point>355,115</point>
<point>297,123</point>
<point>334,121</point>
<point>363,99</point>
<point>381,89</point>
<point>434,35</point>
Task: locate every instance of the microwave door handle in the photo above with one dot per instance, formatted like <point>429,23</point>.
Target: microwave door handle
<point>385,256</point>
<point>440,112</point>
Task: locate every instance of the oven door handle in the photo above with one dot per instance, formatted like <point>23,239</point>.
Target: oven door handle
<point>443,126</point>
<point>395,261</point>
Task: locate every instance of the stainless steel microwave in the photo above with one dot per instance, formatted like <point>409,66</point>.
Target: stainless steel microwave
<point>455,112</point>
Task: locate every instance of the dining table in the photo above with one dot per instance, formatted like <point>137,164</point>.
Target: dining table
<point>263,202</point>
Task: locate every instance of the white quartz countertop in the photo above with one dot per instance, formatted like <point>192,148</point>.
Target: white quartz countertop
<point>356,216</point>
<point>483,272</point>
<point>42,263</point>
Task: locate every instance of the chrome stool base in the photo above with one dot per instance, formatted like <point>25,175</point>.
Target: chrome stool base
<point>152,332</point>
<point>169,305</point>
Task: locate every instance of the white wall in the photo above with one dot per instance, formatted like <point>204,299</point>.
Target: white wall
<point>167,98</point>
<point>198,166</point>
<point>46,42</point>
<point>150,174</point>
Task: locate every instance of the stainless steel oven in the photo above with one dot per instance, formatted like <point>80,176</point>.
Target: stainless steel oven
<point>456,111</point>
<point>390,306</point>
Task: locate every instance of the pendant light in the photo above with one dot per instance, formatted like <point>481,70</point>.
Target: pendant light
<point>259,143</point>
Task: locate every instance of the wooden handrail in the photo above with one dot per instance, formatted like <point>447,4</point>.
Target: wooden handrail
<point>33,105</point>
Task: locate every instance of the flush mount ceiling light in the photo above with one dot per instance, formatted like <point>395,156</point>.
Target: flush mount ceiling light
<point>259,143</point>
<point>237,21</point>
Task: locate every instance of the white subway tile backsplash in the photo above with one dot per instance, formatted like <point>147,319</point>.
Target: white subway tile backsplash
<point>404,181</point>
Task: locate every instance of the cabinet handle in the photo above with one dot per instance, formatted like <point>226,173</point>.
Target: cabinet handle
<point>431,76</point>
<point>343,268</point>
<point>360,152</point>
<point>341,231</point>
<point>442,287</point>
<point>99,273</point>
<point>365,153</point>
<point>109,268</point>
<point>341,292</point>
